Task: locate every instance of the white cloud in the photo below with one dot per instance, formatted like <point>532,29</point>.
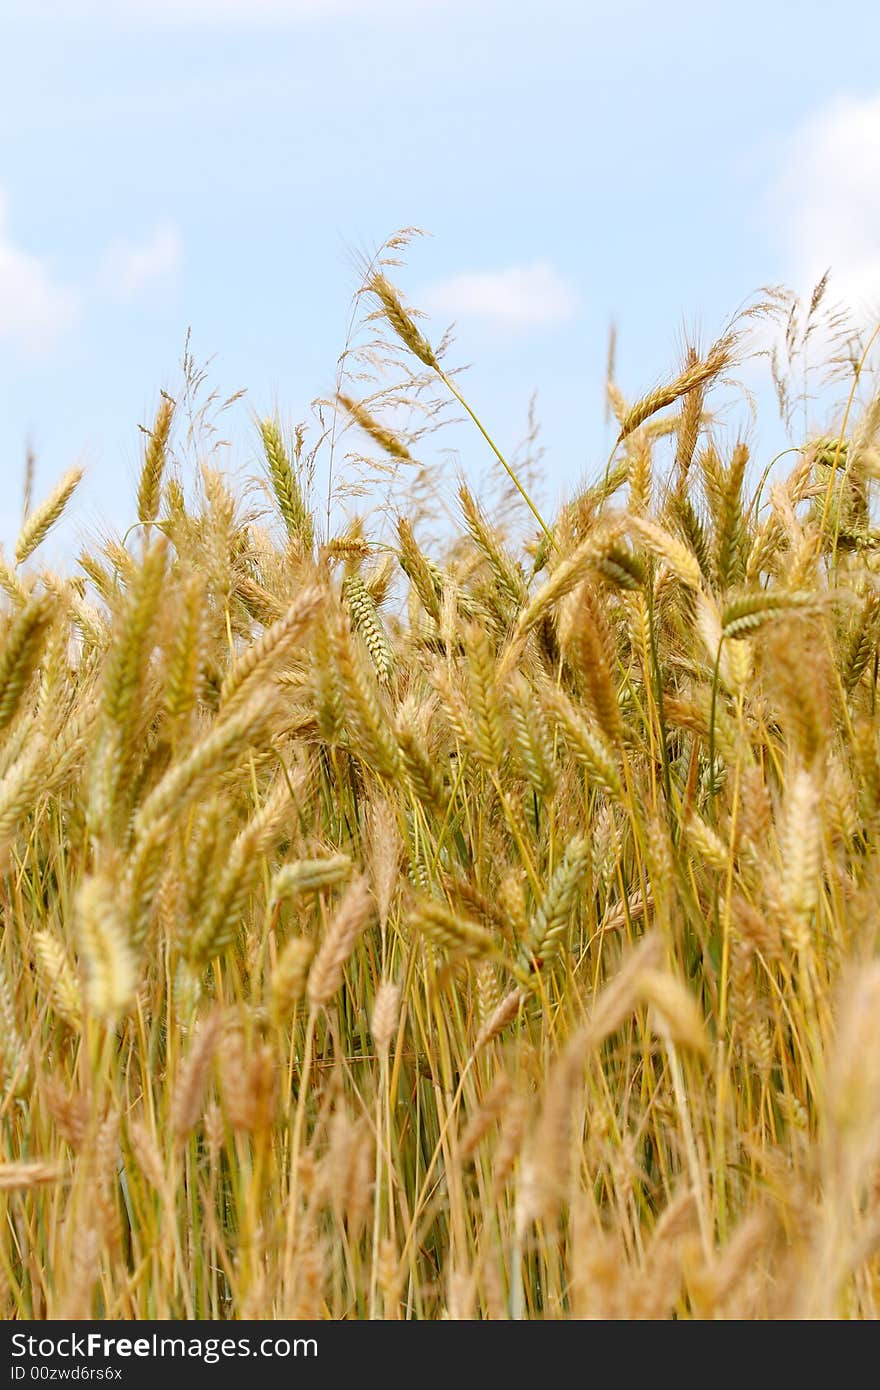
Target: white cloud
<point>516,298</point>
<point>129,268</point>
<point>35,309</point>
<point>827,203</point>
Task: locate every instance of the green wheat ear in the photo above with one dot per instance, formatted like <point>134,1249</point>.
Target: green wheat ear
<point>286,485</point>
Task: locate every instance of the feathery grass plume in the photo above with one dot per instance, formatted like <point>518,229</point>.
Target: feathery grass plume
<point>552,919</point>
<point>800,842</point>
<point>220,748</point>
<point>379,433</point>
<point>383,1024</point>
<point>192,1082</point>
<point>696,376</point>
<point>585,743</point>
<point>57,978</point>
<point>290,976</point>
<point>346,925</point>
<point>286,486</point>
<point>13,1065</point>
<point>43,518</point>
<point>401,320</point>
<point>149,493</point>
<point>186,659</point>
<point>257,661</point>
<point>105,951</point>
<point>669,549</point>
<point>452,932</point>
<point>532,738</point>
<point>23,645</point>
<point>418,570</point>
<point>367,621</point>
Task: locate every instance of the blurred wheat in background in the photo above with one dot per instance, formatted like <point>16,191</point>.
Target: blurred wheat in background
<point>480,926</point>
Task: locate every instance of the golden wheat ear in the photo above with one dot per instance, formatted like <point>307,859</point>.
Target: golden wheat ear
<point>41,520</point>
<point>149,494</point>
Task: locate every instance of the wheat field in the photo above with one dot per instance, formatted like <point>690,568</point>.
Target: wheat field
<point>476,927</point>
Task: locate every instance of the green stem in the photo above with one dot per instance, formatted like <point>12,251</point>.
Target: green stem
<point>498,454</point>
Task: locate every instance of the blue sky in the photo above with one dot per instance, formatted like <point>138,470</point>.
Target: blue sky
<point>218,165</point>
